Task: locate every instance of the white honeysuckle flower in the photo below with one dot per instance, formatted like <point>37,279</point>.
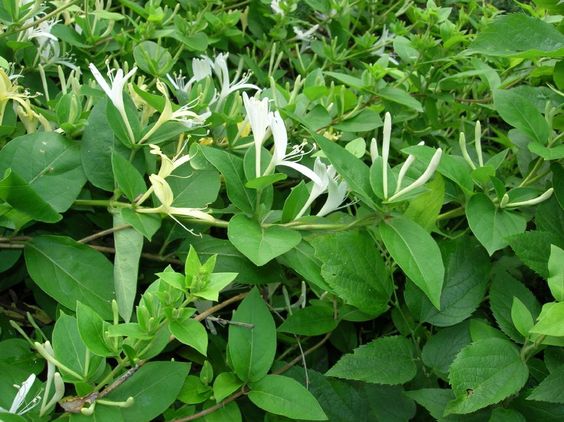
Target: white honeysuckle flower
<point>504,203</point>
<point>201,69</point>
<point>280,157</point>
<point>114,90</point>
<point>42,32</point>
<point>305,35</point>
<point>327,176</point>
<point>259,117</point>
<point>405,167</point>
<point>168,165</point>
<point>387,135</point>
<point>421,180</point>
<point>477,144</point>
<point>275,6</point>
<point>374,149</point>
<point>219,66</point>
<point>165,195</point>
<point>19,407</point>
<point>336,194</point>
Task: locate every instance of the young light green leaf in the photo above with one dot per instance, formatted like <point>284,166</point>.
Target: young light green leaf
<point>491,225</point>
<point>127,177</point>
<point>484,373</point>
<point>128,244</point>
<point>252,349</point>
<point>556,273</point>
<point>386,360</point>
<point>225,384</point>
<point>417,254</point>
<point>191,333</point>
<point>287,397</point>
<point>549,322</point>
<point>260,244</point>
<point>521,317</point>
<point>216,283</point>
<point>92,328</point>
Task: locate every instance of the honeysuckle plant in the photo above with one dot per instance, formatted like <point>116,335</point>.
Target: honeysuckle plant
<point>227,221</point>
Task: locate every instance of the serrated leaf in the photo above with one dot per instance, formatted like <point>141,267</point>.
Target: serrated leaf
<point>484,373</point>
<point>533,248</point>
<point>386,360</point>
<point>550,389</point>
<point>550,320</point>
<point>354,269</point>
<point>556,273</point>
<point>441,349</point>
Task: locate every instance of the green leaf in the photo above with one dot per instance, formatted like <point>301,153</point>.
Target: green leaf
<point>417,254</point>
<point>441,349</point>
<point>229,412</point>
<point>294,202</point>
<point>505,37</point>
<point>258,243</point>
<point>225,384</point>
<point>558,174</point>
<point>194,391</point>
<point>521,317</point>
<point>146,224</point>
<point>491,225</point>
<point>399,96</point>
<point>262,182</point>
<point>502,291</point>
<point>231,168</point>
<point>386,360</point>
<point>194,188</point>
<point>302,260</point>
<point>192,333</point>
<point>353,268</point>
<point>425,208</point>
<point>69,271</point>
<point>520,112</point>
<point>92,328</point>
<point>549,322</point>
<point>349,80</point>
<point>466,279</point>
<point>434,400</point>
<point>152,58</point>
<point>550,389</point>
<point>71,351</point>
<point>154,387</point>
<point>252,350</point>
<point>97,146</point>
<point>556,273</point>
<point>352,169</point>
<point>310,321</point>
<point>285,396</point>
<point>365,121</point>
<point>128,244</point>
<point>533,249</point>
<point>484,373</point>
<point>50,164</point>
<point>127,178</point>
<point>23,204</point>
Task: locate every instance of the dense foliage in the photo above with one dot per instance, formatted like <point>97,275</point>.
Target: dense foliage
<point>343,210</point>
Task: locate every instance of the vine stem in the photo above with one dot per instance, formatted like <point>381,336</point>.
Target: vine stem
<point>244,390</point>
